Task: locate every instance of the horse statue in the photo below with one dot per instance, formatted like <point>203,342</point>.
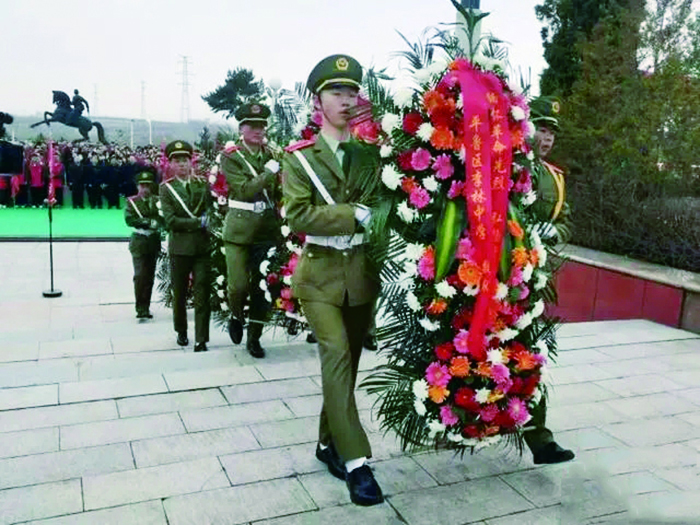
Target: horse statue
<point>62,113</point>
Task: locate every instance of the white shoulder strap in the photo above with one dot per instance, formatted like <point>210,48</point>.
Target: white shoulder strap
<point>314,178</point>
<point>136,209</point>
<point>179,199</point>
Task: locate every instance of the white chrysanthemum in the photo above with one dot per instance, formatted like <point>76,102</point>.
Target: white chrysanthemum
<point>529,198</point>
<point>517,113</point>
<point>223,250</point>
<point>287,279</point>
<point>230,144</point>
<point>428,325</point>
<point>506,334</point>
<point>501,291</point>
<point>407,215</point>
<point>404,97</point>
<point>212,175</point>
<point>220,280</point>
<point>224,307</point>
<point>220,293</point>
<point>540,280</point>
<point>414,251</point>
<point>530,131</point>
<point>425,131</point>
<point>283,212</point>
<point>285,230</point>
<point>390,177</point>
<point>222,200</point>
<point>263,284</point>
<point>430,183</point>
<point>390,122</point>
<point>290,246</point>
<point>530,155</point>
<point>527,272</point>
<point>535,238</point>
<point>385,151</point>
<point>264,267</point>
<point>268,296</point>
<point>541,255</point>
<point>410,270</point>
<point>523,321</point>
<point>435,428</point>
<point>413,302</point>
<point>495,356</point>
<point>541,347</point>
<point>482,395</point>
<point>538,309</point>
<point>462,154</point>
<point>419,407</point>
<point>454,437</point>
<point>218,158</point>
<point>423,75</point>
<point>420,389</point>
<point>515,87</point>
<point>271,251</point>
<point>444,289</point>
<point>158,204</point>
<point>471,290</point>
<point>437,66</point>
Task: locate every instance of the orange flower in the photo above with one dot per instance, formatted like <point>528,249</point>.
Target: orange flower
<point>515,229</point>
<point>469,273</point>
<point>520,256</point>
<point>436,307</point>
<point>534,258</point>
<point>484,369</point>
<point>459,366</point>
<point>491,430</point>
<point>432,100</point>
<point>442,138</point>
<point>495,395</point>
<point>518,138</point>
<point>438,394</point>
<point>525,360</point>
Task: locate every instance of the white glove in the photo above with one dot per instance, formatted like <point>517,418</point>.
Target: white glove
<point>272,165</point>
<point>363,214</point>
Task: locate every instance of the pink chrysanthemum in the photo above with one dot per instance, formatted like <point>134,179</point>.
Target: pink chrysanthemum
<point>500,374</point>
<point>489,412</point>
<point>419,197</point>
<point>456,189</point>
<point>420,160</point>
<point>517,410</point>
<point>516,276</point>
<point>461,341</point>
<point>443,167</point>
<point>465,249</point>
<point>524,184</point>
<point>437,375</point>
<point>447,416</point>
<point>524,293</point>
<point>426,265</point>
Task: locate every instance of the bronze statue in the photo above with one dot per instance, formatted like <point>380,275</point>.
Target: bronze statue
<point>66,114</point>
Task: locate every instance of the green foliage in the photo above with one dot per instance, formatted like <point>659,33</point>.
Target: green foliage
<point>239,87</point>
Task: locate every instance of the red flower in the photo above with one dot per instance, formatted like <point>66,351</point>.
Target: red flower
<point>471,431</point>
<point>530,385</point>
<point>462,319</point>
<point>405,160</point>
<point>411,123</point>
<point>503,419</point>
<point>444,351</point>
<point>464,397</point>
<point>272,279</point>
<point>408,184</point>
<point>367,131</point>
<point>308,133</point>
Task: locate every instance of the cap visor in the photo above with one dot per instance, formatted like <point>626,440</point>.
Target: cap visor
<point>339,82</point>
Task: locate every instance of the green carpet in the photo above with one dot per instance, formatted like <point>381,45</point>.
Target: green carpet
<point>85,224</point>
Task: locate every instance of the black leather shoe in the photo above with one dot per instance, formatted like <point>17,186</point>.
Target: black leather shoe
<point>370,342</point>
<point>182,339</point>
<point>364,489</point>
<point>141,315</point>
<point>235,330</point>
<point>200,347</point>
<point>330,457</point>
<point>552,453</point>
<point>149,315</point>
<point>255,349</point>
<point>311,338</point>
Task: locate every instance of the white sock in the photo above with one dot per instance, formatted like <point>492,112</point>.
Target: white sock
<point>354,463</point>
<point>322,446</point>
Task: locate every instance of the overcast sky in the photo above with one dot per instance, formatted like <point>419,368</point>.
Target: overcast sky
<point>107,49</point>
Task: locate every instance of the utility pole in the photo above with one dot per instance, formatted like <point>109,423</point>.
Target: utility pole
<point>185,98</point>
<point>143,99</point>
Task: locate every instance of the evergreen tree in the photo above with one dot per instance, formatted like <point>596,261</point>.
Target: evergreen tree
<point>240,87</point>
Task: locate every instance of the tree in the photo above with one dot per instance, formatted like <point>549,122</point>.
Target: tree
<point>666,31</point>
<point>569,23</point>
<point>240,87</point>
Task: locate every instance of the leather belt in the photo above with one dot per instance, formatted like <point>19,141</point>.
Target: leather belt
<point>338,242</point>
<point>256,207</point>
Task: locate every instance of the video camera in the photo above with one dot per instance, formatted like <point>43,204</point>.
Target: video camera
<point>11,155</point>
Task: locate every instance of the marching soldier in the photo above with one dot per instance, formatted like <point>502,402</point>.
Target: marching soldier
<point>550,207</point>
<point>141,213</point>
<point>334,279</point>
<point>251,226</point>
<point>184,201</point>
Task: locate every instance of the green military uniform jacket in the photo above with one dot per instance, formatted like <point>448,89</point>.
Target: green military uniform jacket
<point>142,215</point>
<point>551,203</point>
<point>326,274</point>
<point>187,237</point>
<point>249,181</point>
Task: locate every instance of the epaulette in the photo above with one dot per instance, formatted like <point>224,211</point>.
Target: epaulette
<point>300,145</point>
<point>551,167</point>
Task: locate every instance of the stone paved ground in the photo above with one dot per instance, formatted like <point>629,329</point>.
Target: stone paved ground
<point>106,421</point>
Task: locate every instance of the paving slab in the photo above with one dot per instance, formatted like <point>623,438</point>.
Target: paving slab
<point>40,501</point>
<point>149,513</point>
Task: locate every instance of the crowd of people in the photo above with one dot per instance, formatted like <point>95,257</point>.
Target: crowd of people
<point>94,175</point>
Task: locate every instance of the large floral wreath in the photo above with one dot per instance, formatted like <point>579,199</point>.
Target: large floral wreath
<point>465,282</point>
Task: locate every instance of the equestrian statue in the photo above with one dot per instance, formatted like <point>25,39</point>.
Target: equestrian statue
<point>70,114</point>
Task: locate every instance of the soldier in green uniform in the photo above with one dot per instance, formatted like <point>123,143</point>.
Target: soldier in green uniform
<point>550,207</point>
<point>185,199</point>
<point>334,279</point>
<point>251,226</point>
<point>141,214</point>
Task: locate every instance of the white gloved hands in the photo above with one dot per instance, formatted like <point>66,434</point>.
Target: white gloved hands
<point>363,214</point>
<point>272,165</point>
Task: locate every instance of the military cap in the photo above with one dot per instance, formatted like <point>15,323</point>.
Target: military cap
<point>335,69</point>
<point>252,112</point>
<point>145,177</point>
<point>178,147</point>
<point>544,111</point>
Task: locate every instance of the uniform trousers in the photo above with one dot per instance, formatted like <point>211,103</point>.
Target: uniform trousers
<point>340,331</point>
<point>243,281</point>
<point>536,434</point>
<point>180,268</point>
<point>144,276</point>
